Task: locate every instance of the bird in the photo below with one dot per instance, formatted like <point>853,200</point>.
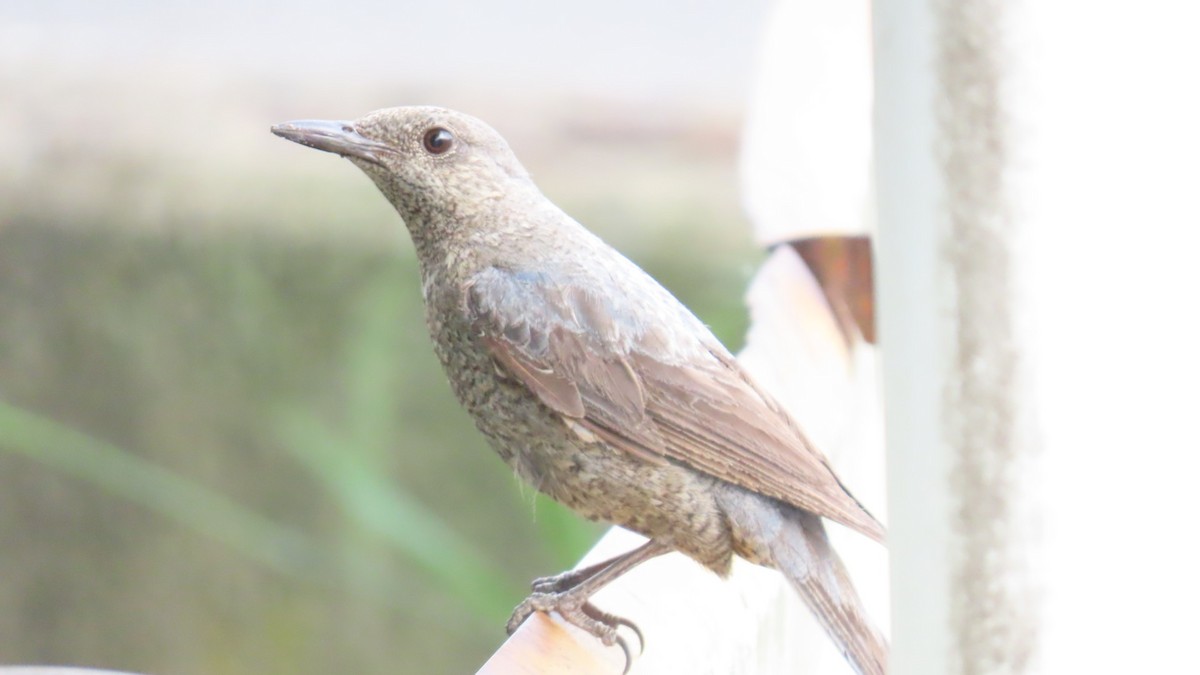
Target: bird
<point>596,385</point>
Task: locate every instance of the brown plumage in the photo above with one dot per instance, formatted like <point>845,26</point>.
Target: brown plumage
<point>652,394</point>
<point>595,383</point>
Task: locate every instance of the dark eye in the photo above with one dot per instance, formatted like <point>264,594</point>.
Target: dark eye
<point>438,140</point>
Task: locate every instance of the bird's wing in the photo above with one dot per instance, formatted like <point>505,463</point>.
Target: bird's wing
<point>660,396</point>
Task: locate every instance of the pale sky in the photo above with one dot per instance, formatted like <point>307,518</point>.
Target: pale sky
<point>625,47</point>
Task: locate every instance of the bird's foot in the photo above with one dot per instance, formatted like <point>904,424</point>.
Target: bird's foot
<point>560,583</point>
<point>575,609</point>
<point>568,594</point>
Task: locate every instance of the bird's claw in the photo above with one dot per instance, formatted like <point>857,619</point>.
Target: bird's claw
<point>614,621</point>
<point>577,611</point>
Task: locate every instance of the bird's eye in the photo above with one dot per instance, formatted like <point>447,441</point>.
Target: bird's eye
<point>438,141</point>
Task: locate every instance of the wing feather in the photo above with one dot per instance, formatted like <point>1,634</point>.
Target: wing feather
<point>684,399</point>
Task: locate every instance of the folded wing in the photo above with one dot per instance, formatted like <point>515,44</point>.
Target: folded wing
<point>611,365</point>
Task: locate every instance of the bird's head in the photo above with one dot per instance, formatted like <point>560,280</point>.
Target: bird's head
<point>431,163</point>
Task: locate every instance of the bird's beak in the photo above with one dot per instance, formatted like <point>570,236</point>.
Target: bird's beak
<point>332,136</point>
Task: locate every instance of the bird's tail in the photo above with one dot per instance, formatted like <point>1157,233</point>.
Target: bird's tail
<point>802,552</point>
<point>795,542</point>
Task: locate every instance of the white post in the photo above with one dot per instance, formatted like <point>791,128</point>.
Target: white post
<point>912,326</point>
<point>1040,325</point>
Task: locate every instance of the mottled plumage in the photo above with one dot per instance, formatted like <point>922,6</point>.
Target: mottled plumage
<point>594,382</point>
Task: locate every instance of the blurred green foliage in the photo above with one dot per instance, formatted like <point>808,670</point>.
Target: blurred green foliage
<point>235,453</point>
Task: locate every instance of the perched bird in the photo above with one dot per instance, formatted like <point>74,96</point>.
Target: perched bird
<point>595,384</point>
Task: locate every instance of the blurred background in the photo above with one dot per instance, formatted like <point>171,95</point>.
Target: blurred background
<point>225,445</point>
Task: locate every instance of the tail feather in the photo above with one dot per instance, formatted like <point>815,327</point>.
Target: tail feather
<point>795,542</point>
<point>802,552</point>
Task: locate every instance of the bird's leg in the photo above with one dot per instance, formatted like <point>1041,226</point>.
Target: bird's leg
<point>571,578</point>
<point>568,595</point>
